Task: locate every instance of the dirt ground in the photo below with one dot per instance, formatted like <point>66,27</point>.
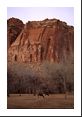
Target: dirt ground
<point>29,101</point>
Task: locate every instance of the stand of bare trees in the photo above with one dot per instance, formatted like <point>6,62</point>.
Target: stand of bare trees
<point>53,78</point>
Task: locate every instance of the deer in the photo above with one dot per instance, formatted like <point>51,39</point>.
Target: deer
<point>46,93</point>
<point>40,94</point>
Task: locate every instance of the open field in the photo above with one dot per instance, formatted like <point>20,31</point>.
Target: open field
<point>29,101</point>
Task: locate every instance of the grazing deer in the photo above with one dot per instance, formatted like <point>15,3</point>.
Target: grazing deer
<point>40,94</point>
<point>46,93</point>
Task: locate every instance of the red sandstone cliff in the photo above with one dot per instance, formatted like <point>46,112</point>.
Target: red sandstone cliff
<point>14,27</point>
<point>50,39</point>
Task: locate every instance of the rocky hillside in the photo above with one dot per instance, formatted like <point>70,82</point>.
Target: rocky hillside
<point>14,27</point>
<point>50,39</point>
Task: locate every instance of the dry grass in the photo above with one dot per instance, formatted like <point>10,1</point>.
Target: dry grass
<point>29,101</point>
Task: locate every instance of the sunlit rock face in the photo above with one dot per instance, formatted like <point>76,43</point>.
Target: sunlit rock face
<point>50,39</point>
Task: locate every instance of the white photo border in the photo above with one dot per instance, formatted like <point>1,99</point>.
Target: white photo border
<point>77,57</point>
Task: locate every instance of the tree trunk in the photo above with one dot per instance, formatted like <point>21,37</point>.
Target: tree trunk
<point>65,89</point>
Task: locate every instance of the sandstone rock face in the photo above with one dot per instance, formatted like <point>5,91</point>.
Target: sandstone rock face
<point>14,27</point>
<point>50,39</point>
